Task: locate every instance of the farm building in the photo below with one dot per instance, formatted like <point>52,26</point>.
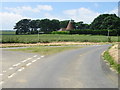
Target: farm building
<point>69,26</point>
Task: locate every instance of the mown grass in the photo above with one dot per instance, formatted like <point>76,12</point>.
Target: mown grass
<point>47,38</point>
<point>111,61</point>
<point>44,50</point>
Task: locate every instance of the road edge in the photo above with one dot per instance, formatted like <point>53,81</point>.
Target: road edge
<point>109,72</point>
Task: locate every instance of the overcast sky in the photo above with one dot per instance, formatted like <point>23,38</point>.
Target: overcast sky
<point>12,12</point>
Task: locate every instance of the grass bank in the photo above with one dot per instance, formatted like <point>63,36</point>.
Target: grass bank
<point>111,61</point>
<point>44,50</point>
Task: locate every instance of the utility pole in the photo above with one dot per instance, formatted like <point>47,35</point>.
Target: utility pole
<point>109,39</point>
<point>108,33</point>
<point>38,35</point>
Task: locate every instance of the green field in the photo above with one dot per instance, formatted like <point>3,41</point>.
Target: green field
<point>9,37</point>
<point>7,32</point>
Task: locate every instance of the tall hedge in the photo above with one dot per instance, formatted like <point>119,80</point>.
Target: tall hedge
<point>95,32</point>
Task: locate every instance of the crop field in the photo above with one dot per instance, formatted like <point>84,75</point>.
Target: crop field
<point>10,37</point>
<point>46,38</point>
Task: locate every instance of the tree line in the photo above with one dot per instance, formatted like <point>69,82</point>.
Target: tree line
<point>102,22</point>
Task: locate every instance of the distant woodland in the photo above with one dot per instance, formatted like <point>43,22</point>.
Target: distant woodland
<point>99,26</point>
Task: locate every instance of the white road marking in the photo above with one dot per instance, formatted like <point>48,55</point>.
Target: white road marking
<point>34,60</point>
<point>1,82</point>
<point>35,56</point>
<point>10,76</point>
<point>28,64</point>
<point>26,60</point>
<point>42,56</point>
<point>1,74</point>
<point>21,69</point>
<point>4,71</point>
<point>10,68</point>
<point>16,64</point>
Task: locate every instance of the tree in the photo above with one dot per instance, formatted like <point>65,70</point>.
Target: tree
<point>23,26</point>
<point>81,25</point>
<point>106,21</point>
<point>35,26</point>
<point>55,25</point>
<point>45,25</point>
<point>17,32</point>
<point>48,26</point>
<point>63,24</point>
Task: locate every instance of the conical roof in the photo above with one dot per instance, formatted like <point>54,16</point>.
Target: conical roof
<point>70,25</point>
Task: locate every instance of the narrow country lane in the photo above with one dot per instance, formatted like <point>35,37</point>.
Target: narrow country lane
<point>80,68</point>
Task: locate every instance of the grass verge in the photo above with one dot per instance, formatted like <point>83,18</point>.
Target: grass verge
<point>111,61</point>
<point>44,50</point>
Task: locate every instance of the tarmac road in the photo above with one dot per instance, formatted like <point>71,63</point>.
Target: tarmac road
<point>80,68</point>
